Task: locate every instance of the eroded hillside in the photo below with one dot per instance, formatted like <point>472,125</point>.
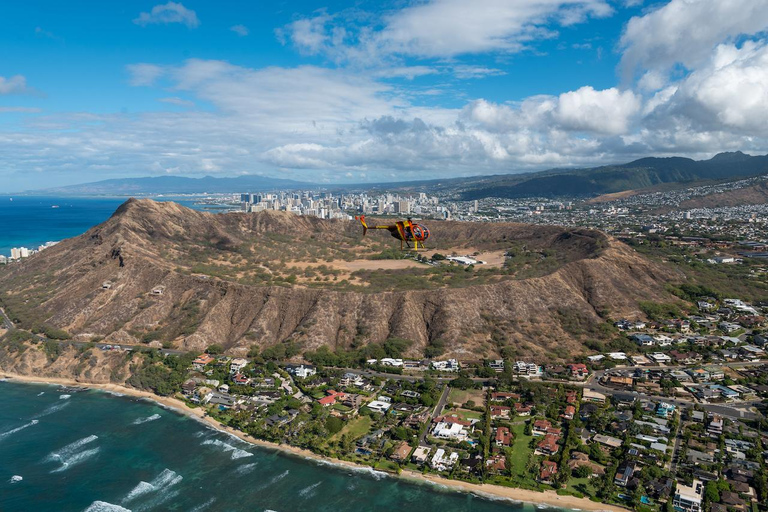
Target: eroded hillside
<point>162,273</point>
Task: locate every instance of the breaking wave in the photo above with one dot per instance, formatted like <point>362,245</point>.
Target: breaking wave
<point>308,492</point>
<point>246,468</point>
<point>103,506</point>
<point>237,453</point>
<point>166,479</point>
<point>279,477</point>
<point>3,435</point>
<point>139,421</point>
<point>76,459</point>
<point>203,506</point>
<point>52,409</point>
<point>72,454</point>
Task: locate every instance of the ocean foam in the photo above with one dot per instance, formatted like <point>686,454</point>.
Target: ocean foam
<point>203,506</point>
<point>15,478</point>
<point>246,468</point>
<point>52,409</point>
<point>3,435</point>
<point>167,478</point>
<point>139,421</point>
<point>103,506</point>
<point>141,489</point>
<point>76,459</point>
<point>279,477</point>
<point>237,453</point>
<point>308,492</point>
<point>70,449</point>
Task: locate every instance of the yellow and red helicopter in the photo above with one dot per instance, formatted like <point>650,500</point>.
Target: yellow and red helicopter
<point>404,230</point>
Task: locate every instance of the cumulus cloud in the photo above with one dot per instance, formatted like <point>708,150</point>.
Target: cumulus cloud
<point>686,31</point>
<point>730,92</point>
<point>171,12</point>
<point>240,30</point>
<point>607,112</point>
<point>13,85</point>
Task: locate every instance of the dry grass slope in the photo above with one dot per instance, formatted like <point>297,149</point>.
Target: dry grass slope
<point>226,279</point>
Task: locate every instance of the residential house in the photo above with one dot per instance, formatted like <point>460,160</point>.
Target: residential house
<point>500,411</point>
<point>401,452</point>
<point>201,361</point>
<point>442,460</point>
<point>688,498</point>
<point>548,445</point>
<point>548,472</point>
<point>503,436</point>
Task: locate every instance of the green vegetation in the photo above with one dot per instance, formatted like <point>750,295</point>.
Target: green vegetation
<point>161,375</point>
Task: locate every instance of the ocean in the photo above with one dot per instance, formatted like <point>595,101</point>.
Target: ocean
<point>66,450</point>
<point>30,221</point>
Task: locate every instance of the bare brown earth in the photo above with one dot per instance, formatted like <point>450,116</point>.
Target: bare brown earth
<point>160,245</point>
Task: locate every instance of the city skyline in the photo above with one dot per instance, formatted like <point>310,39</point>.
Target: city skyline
<point>375,92</point>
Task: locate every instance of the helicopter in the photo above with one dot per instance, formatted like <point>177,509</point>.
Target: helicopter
<point>404,230</point>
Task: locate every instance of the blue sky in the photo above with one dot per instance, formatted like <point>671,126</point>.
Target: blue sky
<point>372,91</point>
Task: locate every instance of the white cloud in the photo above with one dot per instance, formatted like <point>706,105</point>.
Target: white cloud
<point>240,30</point>
<point>686,31</point>
<point>171,12</point>
<point>144,74</point>
<point>174,100</point>
<point>730,92</point>
<point>438,29</point>
<point>16,84</point>
<point>466,71</point>
<point>446,28</point>
<point>606,112</point>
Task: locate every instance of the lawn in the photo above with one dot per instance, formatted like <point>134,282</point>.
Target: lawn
<point>521,450</point>
<point>581,485</point>
<point>358,427</point>
<point>387,465</point>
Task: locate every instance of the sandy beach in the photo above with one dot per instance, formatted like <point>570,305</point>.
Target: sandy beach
<point>495,491</point>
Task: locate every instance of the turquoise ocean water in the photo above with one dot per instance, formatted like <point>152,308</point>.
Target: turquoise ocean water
<point>70,450</point>
<point>74,451</point>
<point>30,221</point>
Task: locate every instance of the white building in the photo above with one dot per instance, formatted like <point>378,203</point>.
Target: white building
<point>452,431</point>
<point>688,499</point>
<point>450,365</point>
<point>237,365</point>
<point>302,371</point>
<point>442,461</point>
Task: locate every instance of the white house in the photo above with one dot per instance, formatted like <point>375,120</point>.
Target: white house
<point>452,431</point>
<point>442,461</point>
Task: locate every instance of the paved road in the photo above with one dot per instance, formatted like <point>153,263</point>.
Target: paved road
<point>437,411</point>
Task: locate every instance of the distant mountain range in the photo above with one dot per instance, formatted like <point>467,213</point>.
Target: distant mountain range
<point>640,174</point>
<point>588,182</point>
<point>176,185</point>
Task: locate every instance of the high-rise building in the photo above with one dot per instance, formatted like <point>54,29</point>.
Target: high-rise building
<point>402,207</point>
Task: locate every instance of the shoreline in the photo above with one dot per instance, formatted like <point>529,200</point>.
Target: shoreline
<point>488,491</point>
